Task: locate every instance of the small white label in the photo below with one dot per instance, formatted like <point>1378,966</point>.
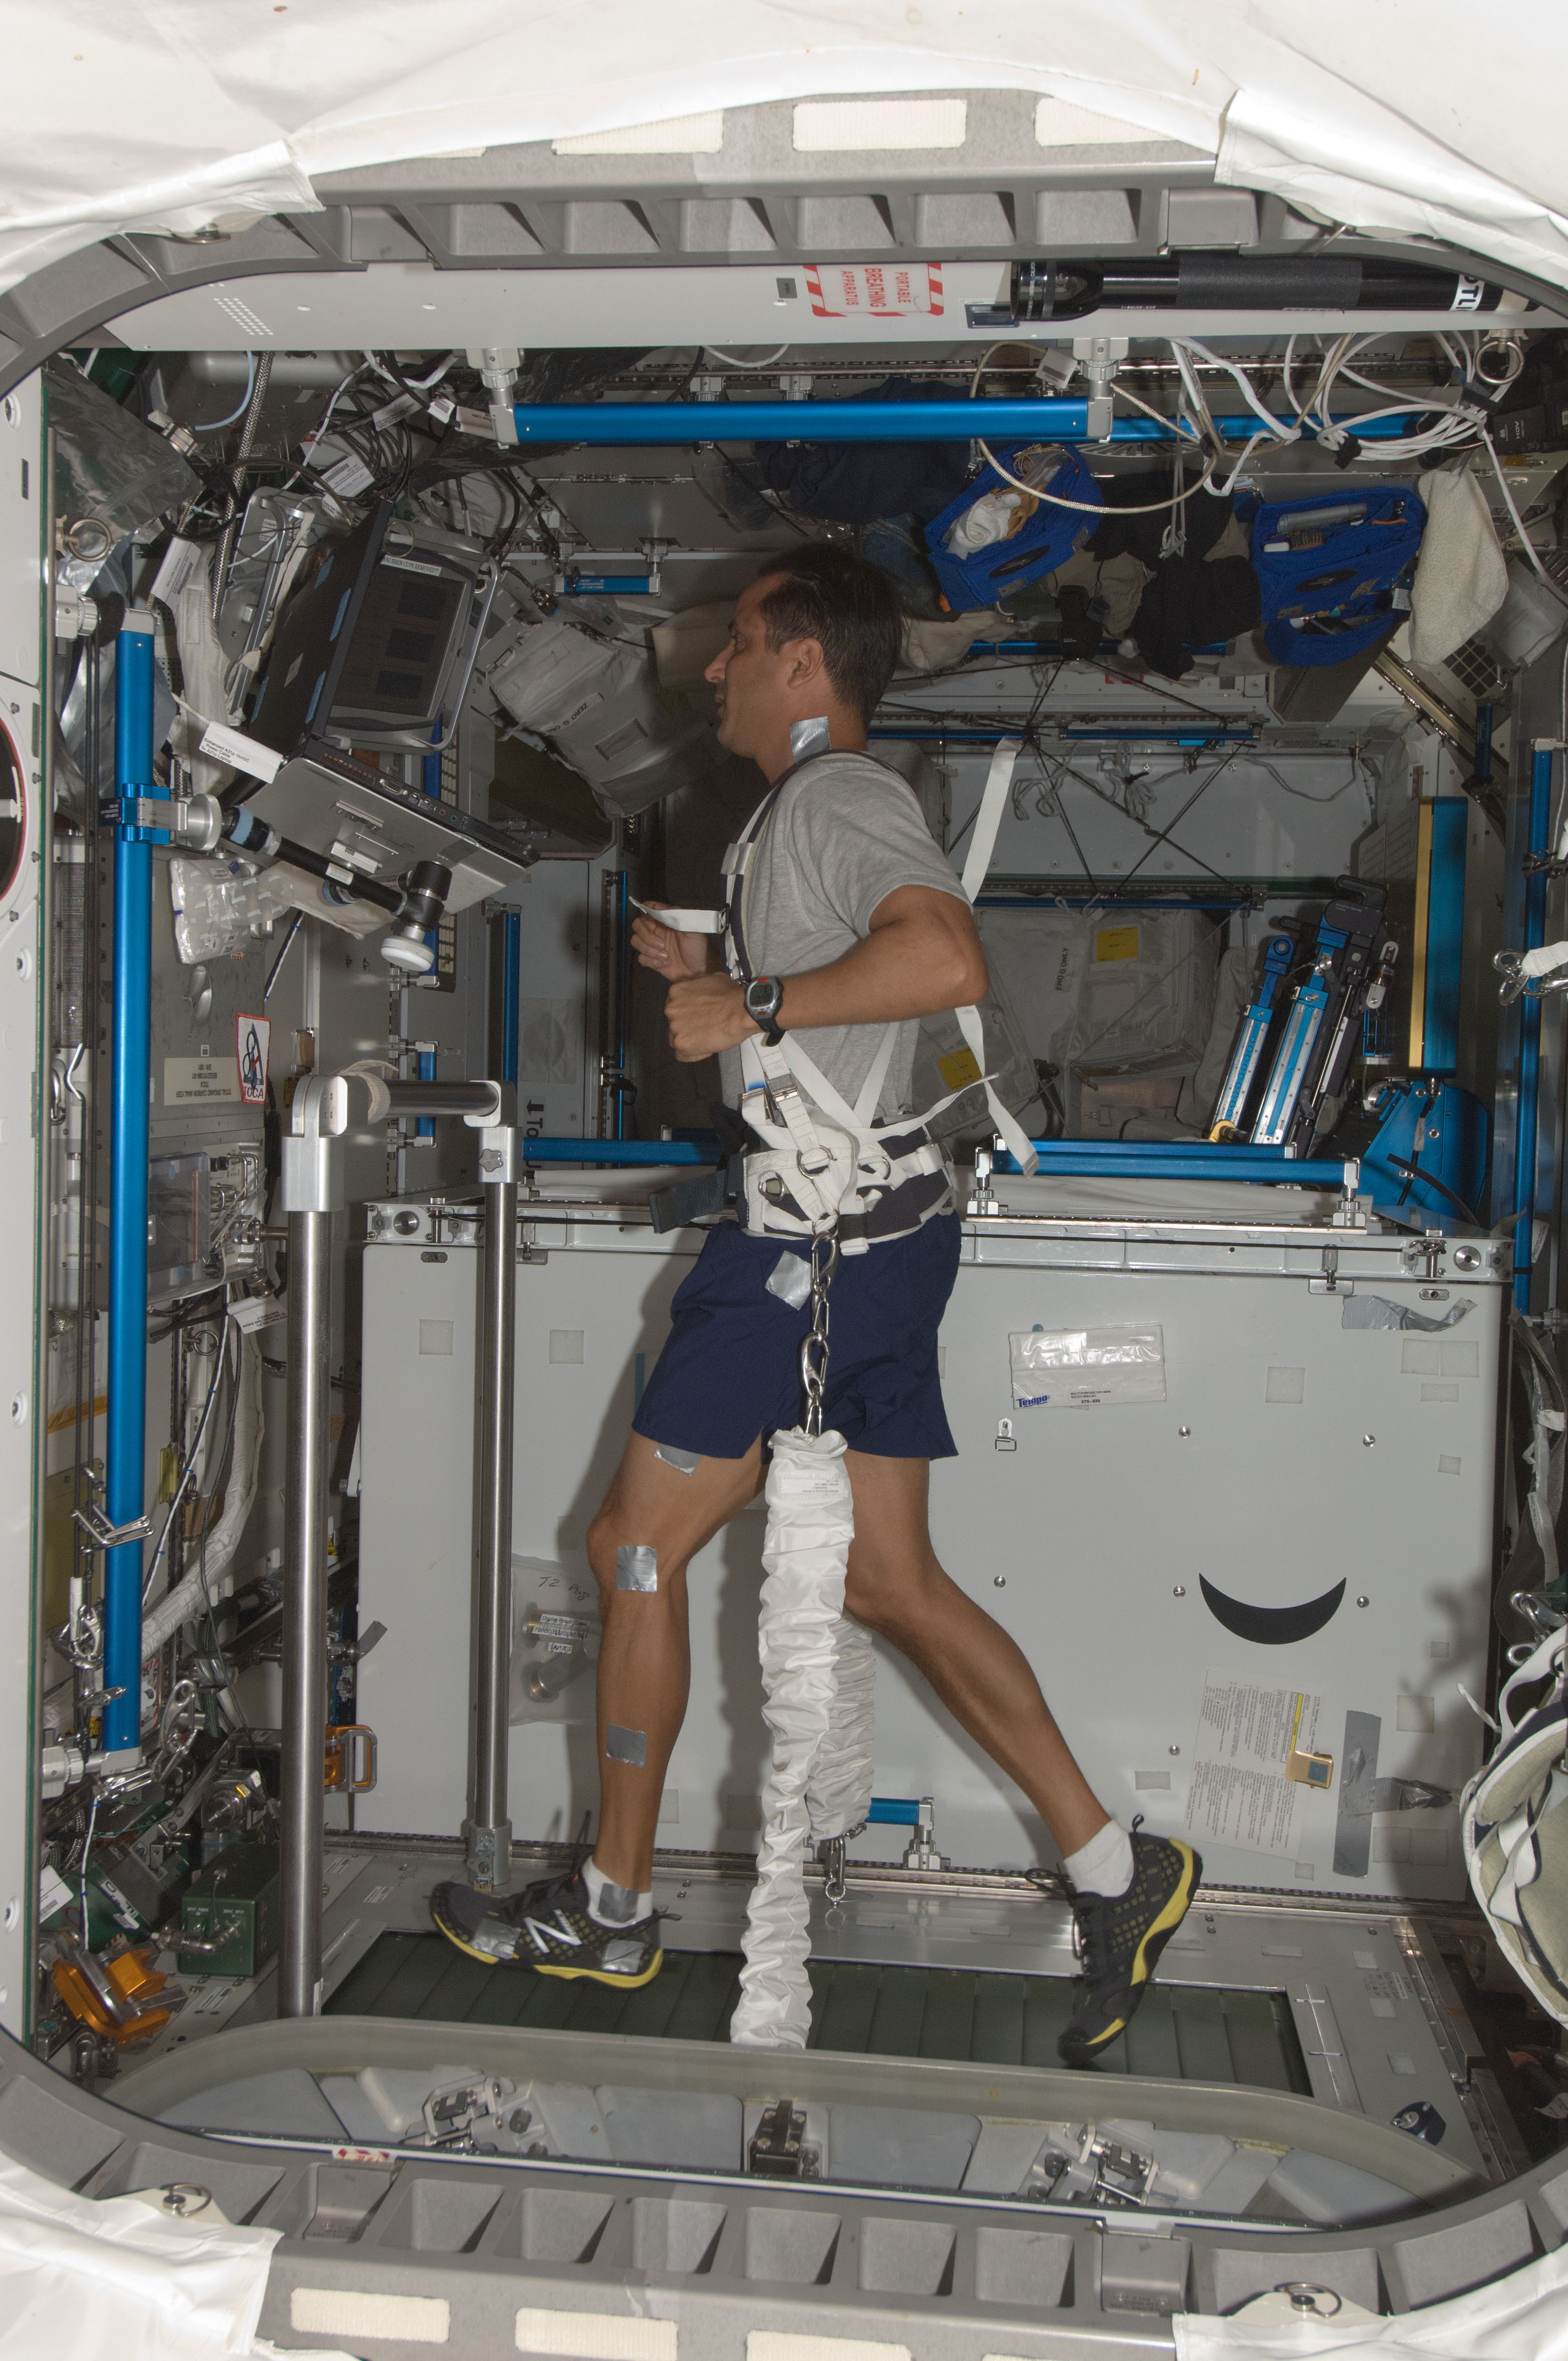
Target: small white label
<point>400,406</point>
<point>412,566</point>
<point>53,1892</point>
<point>180,560</point>
<point>198,1081</point>
<point>242,753</point>
<point>251,1313</point>
<point>348,477</point>
<point>252,1042</point>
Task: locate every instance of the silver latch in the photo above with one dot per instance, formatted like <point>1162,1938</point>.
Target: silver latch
<point>1330,1282</point>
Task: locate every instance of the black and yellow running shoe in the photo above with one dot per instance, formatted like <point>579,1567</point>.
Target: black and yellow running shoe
<point>1121,1937</point>
<point>548,1926</point>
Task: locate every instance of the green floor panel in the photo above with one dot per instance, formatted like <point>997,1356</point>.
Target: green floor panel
<point>844,1999</point>
<point>997,2037</point>
<point>359,1994</point>
<point>947,2029</point>
<point>899,2014</point>
<point>1201,2040</point>
<point>1182,2032</point>
<point>708,1998</point>
<point>1264,2051</point>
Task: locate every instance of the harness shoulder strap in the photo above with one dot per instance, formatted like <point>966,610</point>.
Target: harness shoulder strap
<point>982,844</point>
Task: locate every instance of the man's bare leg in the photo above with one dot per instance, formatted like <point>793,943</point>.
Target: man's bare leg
<point>897,1586</point>
<point>644,1665</point>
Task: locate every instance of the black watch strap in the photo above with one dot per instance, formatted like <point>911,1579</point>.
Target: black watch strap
<point>768,990</point>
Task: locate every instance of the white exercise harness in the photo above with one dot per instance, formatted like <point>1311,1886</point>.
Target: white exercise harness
<point>824,1163</point>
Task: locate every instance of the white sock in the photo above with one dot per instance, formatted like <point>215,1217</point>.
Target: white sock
<point>1104,1865</point>
<point>618,1905</point>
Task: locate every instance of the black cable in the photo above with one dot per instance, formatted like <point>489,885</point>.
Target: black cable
<point>1471,1219</point>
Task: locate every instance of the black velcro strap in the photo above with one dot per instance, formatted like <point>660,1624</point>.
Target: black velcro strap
<point>687,1200</point>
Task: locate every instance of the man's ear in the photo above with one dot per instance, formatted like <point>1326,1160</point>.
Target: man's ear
<point>806,663</point>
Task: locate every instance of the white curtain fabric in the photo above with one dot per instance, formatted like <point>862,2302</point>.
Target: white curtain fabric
<point>168,114</point>
<point>116,2279</point>
<point>820,1778</point>
<point>1522,2318</point>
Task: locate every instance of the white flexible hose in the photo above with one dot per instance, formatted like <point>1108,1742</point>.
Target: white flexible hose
<point>811,1523</point>
<point>839,1794</point>
<point>188,1598</point>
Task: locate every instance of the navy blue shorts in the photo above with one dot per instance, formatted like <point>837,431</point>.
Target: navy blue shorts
<point>730,1369</point>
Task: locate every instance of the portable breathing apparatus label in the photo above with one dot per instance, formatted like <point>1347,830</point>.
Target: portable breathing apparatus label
<point>1240,1794</point>
<point>253,1037</point>
<point>200,1082</point>
<point>873,290</point>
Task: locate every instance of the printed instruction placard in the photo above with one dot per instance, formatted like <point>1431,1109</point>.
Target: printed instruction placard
<point>200,1082</point>
<point>1240,1795</point>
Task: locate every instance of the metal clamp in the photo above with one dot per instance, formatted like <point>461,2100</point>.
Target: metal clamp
<point>778,2148</point>
<point>208,1945</point>
<point>344,1743</point>
<point>814,1346</point>
<point>102,1535</point>
<point>313,1165</point>
<point>830,1852</point>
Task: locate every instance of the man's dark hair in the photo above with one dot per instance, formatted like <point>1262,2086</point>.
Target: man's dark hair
<point>827,593</point>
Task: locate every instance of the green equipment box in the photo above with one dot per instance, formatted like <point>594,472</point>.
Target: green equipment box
<point>241,1892</point>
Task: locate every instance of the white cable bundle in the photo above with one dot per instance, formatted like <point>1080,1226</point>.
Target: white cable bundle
<point>816,1675</point>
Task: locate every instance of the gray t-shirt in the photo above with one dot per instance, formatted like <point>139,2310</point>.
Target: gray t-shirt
<point>845,833</point>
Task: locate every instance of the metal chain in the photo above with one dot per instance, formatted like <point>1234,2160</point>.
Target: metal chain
<point>814,1346</point>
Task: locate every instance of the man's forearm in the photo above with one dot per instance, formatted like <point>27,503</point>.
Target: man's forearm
<point>900,971</point>
<point>910,965</point>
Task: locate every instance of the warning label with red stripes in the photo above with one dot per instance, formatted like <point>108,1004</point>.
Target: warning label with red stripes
<point>874,291</point>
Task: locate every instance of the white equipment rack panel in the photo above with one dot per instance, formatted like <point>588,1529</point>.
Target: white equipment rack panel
<point>1292,1453</point>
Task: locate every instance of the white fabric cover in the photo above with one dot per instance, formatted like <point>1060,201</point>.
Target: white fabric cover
<point>1462,575</point>
<point>134,114</point>
<point>819,1780</point>
<point>116,2279</point>
<point>1522,2318</point>
<point>1513,1817</point>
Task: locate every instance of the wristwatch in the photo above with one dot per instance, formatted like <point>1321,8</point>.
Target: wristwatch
<point>764,998</point>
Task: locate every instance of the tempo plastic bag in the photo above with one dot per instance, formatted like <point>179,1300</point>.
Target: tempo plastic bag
<point>1062,1368</point>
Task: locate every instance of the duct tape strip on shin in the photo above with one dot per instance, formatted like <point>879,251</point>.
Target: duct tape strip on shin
<point>810,1527</point>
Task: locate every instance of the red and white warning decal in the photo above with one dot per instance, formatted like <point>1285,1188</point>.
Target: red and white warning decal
<point>874,291</point>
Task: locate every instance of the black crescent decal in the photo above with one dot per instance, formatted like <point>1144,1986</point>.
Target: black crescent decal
<point>1271,1627</point>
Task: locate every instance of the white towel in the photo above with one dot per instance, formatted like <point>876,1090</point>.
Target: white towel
<point>1462,579</point>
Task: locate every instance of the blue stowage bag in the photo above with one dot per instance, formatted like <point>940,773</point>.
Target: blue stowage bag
<point>1331,639</point>
<point>1045,542</point>
<point>1328,567</point>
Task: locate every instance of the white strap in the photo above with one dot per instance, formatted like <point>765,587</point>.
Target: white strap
<point>988,820</point>
<point>683,922</point>
<point>1016,1139</point>
<point>870,1089</point>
